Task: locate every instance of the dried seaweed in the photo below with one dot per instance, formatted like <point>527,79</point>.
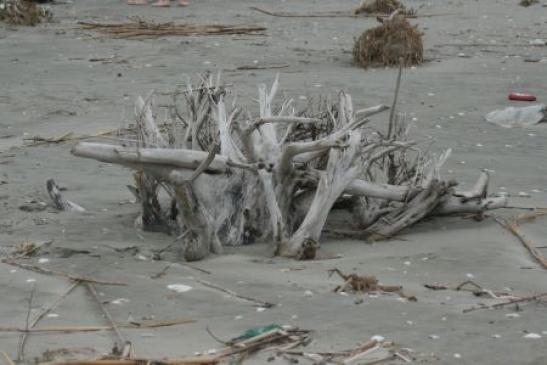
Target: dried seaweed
<point>382,7</point>
<point>389,42</point>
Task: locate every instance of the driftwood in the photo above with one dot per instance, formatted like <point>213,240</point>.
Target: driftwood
<point>513,228</point>
<point>143,29</point>
<point>234,178</point>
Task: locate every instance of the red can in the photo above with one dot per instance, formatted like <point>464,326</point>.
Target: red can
<point>522,97</point>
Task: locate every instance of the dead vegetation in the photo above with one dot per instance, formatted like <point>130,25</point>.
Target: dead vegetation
<point>389,43</point>
<point>382,7</point>
<point>23,12</point>
<point>232,178</point>
<point>367,284</point>
<point>527,3</point>
<point>140,28</point>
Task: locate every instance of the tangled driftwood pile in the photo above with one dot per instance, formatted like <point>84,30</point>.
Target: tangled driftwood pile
<point>388,43</point>
<point>234,177</point>
<point>143,29</point>
<point>22,12</point>
<point>382,7</point>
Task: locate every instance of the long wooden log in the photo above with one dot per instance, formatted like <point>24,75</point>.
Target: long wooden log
<point>181,158</point>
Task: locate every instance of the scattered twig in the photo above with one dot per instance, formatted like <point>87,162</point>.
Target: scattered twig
<point>161,273</point>
<point>259,302</point>
<point>66,137</point>
<point>7,358</point>
<point>23,339</point>
<point>335,14</point>
<point>531,298</point>
<point>45,271</point>
<point>113,324</point>
<point>513,227</point>
<point>41,315</point>
<point>258,67</point>
<point>143,29</point>
<point>73,329</point>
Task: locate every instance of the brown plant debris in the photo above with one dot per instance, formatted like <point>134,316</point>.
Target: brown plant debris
<point>367,284</point>
<point>23,12</point>
<point>514,228</point>
<point>140,28</point>
<point>382,7</point>
<point>527,3</point>
<point>387,43</point>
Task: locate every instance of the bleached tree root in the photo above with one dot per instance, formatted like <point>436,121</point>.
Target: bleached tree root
<point>232,178</point>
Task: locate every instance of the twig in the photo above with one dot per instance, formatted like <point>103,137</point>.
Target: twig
<point>261,303</point>
<point>503,304</point>
<point>113,324</point>
<point>72,329</point>
<point>161,273</point>
<point>44,271</point>
<point>257,67</point>
<point>214,337</point>
<point>23,340</point>
<point>336,14</point>
<point>41,315</point>
<point>7,358</point>
<point>395,97</point>
<point>513,228</point>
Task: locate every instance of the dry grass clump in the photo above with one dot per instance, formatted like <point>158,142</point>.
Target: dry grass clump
<point>385,44</point>
<point>382,7</point>
<point>527,3</point>
<point>22,12</point>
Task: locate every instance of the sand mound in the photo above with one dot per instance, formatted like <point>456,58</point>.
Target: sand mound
<point>387,43</point>
<point>22,12</point>
<point>382,7</point>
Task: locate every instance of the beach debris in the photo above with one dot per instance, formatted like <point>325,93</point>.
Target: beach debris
<point>298,163</point>
<point>42,270</point>
<point>59,201</point>
<point>532,336</point>
<point>382,7</point>
<point>518,116</point>
<point>148,324</point>
<point>140,28</point>
<point>527,3</point>
<point>388,43</point>
<point>538,42</point>
<point>179,288</point>
<point>257,302</point>
<point>522,97</point>
<point>367,284</point>
<point>23,12</point>
<point>376,350</point>
<point>513,228</point>
<point>539,298</point>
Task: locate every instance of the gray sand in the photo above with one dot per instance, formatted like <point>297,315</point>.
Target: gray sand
<point>49,87</point>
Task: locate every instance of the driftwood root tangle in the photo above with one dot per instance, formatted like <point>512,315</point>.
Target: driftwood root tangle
<point>382,7</point>
<point>23,12</point>
<point>216,175</point>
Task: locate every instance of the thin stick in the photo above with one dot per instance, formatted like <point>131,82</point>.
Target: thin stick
<point>503,304</point>
<point>72,329</point>
<point>395,97</point>
<point>23,340</point>
<point>93,292</point>
<point>8,359</point>
<point>43,312</point>
<point>45,271</point>
<point>256,67</point>
<point>336,14</point>
<point>513,228</point>
<point>234,294</point>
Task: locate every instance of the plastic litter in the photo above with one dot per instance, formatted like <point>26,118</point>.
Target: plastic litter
<point>522,97</point>
<point>518,116</point>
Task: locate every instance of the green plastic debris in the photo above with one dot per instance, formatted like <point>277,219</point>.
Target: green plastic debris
<point>253,332</point>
